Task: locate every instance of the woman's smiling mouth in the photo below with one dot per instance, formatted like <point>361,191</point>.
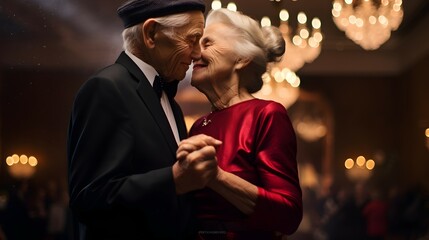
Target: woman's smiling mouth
<point>198,65</point>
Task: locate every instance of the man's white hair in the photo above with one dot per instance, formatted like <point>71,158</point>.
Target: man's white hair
<point>133,37</point>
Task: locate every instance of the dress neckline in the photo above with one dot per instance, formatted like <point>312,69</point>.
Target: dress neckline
<point>207,119</point>
<point>233,106</point>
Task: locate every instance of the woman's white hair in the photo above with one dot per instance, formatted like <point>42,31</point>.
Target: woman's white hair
<point>133,37</point>
<point>261,45</point>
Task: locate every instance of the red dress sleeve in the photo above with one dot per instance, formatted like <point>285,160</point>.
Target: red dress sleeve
<point>279,204</point>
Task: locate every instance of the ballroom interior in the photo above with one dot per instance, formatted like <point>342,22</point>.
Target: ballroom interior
<point>358,97</point>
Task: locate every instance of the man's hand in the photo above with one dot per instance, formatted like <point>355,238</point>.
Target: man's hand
<point>196,163</point>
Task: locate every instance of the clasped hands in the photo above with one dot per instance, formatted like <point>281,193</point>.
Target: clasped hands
<point>196,163</point>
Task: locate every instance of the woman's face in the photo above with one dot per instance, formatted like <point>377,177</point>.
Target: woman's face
<point>218,58</point>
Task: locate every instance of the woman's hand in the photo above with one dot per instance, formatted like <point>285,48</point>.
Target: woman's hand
<point>196,163</point>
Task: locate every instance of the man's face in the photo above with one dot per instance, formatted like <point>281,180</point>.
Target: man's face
<point>175,53</point>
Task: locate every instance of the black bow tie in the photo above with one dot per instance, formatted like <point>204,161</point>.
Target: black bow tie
<point>170,88</point>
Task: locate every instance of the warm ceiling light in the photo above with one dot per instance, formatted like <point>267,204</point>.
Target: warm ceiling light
<point>302,18</point>
<point>349,163</point>
<point>9,161</point>
<point>21,167</point>
<point>303,45</point>
<point>316,23</point>
<point>32,161</point>
<point>265,22</point>
<point>23,159</point>
<point>370,164</point>
<point>360,161</point>
<point>367,22</point>
<point>284,15</point>
<point>15,158</point>
<point>232,7</point>
<point>216,4</point>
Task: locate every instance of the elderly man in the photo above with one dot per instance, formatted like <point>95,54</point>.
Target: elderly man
<point>125,180</point>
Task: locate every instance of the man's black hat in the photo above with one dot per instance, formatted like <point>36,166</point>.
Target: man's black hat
<point>137,11</point>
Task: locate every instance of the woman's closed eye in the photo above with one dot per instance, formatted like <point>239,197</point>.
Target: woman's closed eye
<point>205,43</point>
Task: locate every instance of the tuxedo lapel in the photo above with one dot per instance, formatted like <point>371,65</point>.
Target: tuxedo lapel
<point>180,121</point>
<point>151,100</point>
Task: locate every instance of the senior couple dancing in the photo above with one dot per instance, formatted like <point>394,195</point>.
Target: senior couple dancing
<point>134,170</point>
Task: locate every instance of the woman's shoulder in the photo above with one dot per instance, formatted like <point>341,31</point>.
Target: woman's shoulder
<point>268,105</point>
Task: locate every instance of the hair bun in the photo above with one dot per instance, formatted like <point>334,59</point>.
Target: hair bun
<point>275,45</point>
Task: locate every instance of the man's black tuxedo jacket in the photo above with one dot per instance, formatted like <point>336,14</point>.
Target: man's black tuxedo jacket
<point>120,153</point>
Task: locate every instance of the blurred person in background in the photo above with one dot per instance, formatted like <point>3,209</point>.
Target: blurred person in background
<point>375,214</point>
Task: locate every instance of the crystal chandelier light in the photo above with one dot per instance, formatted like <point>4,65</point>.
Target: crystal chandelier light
<point>367,22</point>
<point>304,46</point>
<point>280,85</point>
<point>280,81</point>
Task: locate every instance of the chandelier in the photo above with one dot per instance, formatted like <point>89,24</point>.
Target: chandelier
<point>280,85</point>
<point>304,46</point>
<point>280,81</point>
<point>368,22</point>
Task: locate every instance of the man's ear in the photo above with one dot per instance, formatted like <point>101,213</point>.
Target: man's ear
<point>242,62</point>
<point>148,31</point>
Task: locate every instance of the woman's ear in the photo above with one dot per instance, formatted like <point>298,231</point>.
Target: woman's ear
<point>242,62</point>
<point>148,31</point>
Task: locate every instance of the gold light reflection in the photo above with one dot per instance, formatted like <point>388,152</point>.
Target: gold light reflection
<point>427,138</point>
<point>21,167</point>
<point>349,163</point>
<point>9,161</point>
<point>370,164</point>
<point>232,7</point>
<point>360,169</point>
<point>23,159</point>
<point>265,21</point>
<point>311,130</point>
<point>360,161</point>
<point>32,161</point>
<point>15,158</point>
<point>216,4</point>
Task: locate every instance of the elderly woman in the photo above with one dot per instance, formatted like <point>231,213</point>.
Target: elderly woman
<point>256,193</point>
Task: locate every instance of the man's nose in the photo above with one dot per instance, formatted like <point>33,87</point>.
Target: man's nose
<point>196,52</point>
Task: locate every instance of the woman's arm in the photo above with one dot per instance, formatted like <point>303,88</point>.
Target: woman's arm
<point>276,203</point>
<point>241,193</point>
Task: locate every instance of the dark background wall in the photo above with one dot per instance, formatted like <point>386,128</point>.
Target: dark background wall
<point>414,115</point>
<point>35,108</point>
<point>364,114</point>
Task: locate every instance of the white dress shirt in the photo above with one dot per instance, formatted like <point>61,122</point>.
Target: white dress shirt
<point>150,74</point>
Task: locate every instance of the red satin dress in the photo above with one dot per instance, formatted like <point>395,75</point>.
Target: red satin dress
<point>259,145</point>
